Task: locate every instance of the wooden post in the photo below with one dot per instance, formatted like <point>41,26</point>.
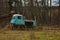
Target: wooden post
<point>35,18</point>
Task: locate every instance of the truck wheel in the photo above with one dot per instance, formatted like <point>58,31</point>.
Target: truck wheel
<point>22,27</point>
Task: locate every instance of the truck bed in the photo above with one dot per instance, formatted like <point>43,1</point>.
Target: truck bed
<point>28,22</point>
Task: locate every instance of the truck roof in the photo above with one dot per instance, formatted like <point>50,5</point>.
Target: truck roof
<point>17,15</point>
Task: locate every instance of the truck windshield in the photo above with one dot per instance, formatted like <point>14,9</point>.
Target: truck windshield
<point>19,17</point>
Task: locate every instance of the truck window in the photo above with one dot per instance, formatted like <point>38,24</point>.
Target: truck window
<point>19,17</point>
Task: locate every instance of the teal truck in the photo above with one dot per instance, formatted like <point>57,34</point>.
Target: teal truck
<point>18,19</point>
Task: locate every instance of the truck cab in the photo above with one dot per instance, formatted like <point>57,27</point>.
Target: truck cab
<point>17,19</point>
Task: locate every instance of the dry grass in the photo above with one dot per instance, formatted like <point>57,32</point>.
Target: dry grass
<point>30,35</point>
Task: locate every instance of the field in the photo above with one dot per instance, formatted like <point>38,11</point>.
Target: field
<point>30,34</point>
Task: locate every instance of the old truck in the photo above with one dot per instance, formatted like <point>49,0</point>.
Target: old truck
<point>19,21</point>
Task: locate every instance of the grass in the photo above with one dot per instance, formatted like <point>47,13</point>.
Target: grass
<point>30,35</point>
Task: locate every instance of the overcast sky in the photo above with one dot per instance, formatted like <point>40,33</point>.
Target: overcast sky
<point>54,2</point>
